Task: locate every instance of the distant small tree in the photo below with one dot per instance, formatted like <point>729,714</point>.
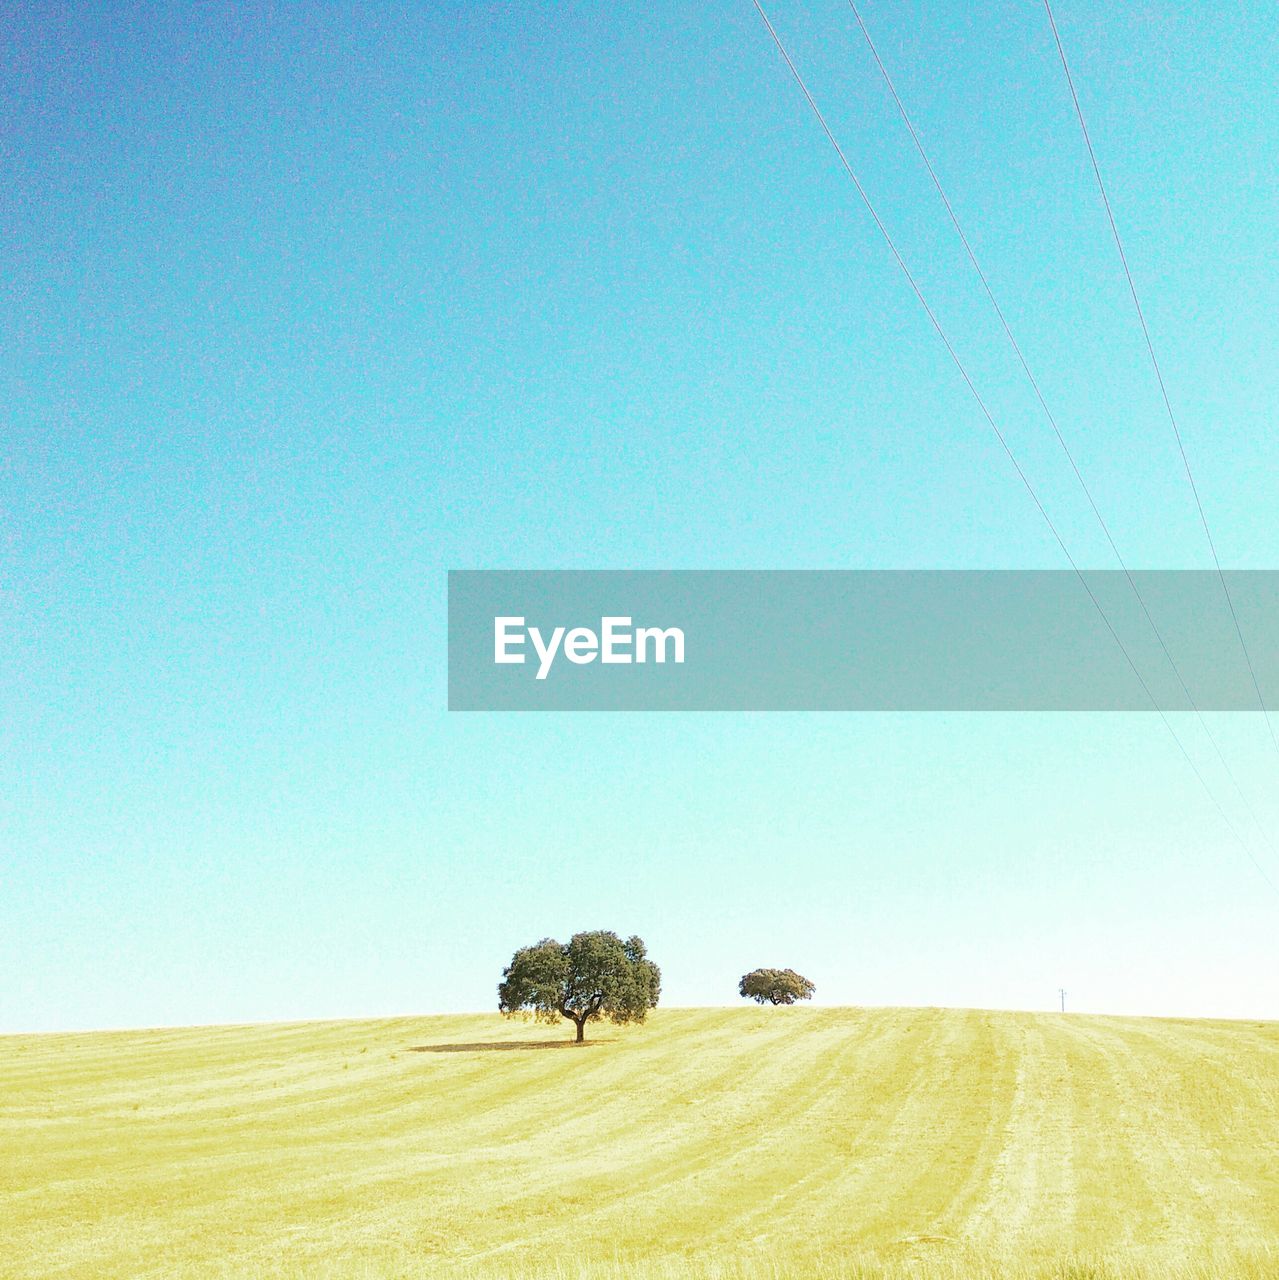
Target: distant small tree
<point>775,986</point>
<point>592,977</point>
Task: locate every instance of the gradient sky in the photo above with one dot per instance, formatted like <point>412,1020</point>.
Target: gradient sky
<point>303,306</point>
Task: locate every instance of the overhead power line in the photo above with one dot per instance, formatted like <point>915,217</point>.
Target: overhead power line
<point>994,426</point>
<point>1052,422</point>
<point>1159,377</point>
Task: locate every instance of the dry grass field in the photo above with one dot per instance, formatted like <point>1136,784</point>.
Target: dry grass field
<point>738,1144</point>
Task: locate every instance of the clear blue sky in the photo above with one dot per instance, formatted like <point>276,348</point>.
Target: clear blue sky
<point>304,306</point>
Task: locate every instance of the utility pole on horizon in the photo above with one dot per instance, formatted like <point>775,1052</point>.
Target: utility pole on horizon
<point>1061,991</point>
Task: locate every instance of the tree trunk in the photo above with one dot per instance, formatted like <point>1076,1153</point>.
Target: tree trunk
<point>581,1031</point>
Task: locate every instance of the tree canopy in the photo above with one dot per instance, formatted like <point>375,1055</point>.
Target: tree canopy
<point>592,977</point>
<point>775,986</point>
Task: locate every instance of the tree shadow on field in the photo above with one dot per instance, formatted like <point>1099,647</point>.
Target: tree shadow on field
<point>504,1046</point>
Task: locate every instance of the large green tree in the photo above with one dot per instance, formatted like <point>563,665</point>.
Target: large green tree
<point>589,978</point>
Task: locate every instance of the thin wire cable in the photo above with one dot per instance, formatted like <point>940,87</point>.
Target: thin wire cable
<point>1154,362</point>
<point>1052,421</point>
<point>994,426</point>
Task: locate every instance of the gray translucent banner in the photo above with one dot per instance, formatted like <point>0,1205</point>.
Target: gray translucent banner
<point>831,640</point>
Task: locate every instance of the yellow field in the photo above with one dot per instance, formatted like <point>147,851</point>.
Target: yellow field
<point>707,1143</point>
